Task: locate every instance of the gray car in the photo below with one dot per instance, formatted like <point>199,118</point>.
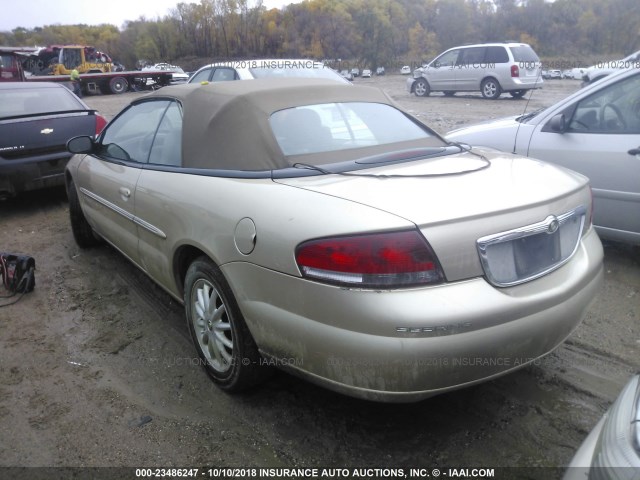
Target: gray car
<point>612,450</point>
<point>316,227</point>
<point>491,68</point>
<point>604,68</point>
<point>595,131</point>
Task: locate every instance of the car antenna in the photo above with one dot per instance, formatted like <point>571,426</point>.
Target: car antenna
<point>538,77</point>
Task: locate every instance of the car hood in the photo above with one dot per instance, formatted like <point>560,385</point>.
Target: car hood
<point>438,190</point>
<point>499,134</point>
<point>494,128</point>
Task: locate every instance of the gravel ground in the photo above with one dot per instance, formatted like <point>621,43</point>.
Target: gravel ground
<point>97,369</point>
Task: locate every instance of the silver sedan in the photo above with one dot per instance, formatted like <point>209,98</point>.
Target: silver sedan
<point>611,451</point>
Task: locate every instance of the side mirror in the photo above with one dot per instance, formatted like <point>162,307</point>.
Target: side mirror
<point>557,123</point>
<point>82,144</point>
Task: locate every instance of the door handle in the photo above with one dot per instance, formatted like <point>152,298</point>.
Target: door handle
<point>634,151</point>
<point>125,192</point>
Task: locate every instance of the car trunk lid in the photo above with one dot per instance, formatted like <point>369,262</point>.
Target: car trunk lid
<point>457,200</point>
<point>42,135</point>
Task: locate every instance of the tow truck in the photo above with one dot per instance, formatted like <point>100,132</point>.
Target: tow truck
<point>55,63</point>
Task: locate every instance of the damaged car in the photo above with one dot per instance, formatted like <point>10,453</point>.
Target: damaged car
<point>346,242</point>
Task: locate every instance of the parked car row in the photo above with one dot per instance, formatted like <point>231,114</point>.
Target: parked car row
<point>355,72</point>
<point>573,74</point>
<point>552,74</point>
<point>346,74</point>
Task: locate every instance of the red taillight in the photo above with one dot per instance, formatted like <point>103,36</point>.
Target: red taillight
<point>101,122</point>
<point>381,260</point>
<point>515,71</point>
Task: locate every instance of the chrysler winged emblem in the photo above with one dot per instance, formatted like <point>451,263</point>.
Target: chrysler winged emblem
<point>46,131</point>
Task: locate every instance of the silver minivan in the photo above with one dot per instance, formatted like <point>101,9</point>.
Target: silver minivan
<point>490,68</point>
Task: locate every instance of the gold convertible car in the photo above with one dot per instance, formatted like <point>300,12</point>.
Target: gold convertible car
<point>317,227</point>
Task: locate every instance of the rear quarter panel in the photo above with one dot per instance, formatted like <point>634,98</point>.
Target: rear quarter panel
<point>203,212</point>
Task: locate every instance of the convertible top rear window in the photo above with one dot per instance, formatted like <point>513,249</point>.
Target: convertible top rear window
<point>341,126</point>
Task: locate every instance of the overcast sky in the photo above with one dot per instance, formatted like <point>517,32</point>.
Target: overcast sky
<point>37,13</point>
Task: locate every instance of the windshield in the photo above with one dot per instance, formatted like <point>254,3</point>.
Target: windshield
<point>342,126</point>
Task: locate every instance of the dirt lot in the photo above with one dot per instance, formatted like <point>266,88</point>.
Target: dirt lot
<point>96,367</point>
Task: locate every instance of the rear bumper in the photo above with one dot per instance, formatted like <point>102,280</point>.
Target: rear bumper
<point>408,345</point>
<point>31,173</point>
<point>523,83</point>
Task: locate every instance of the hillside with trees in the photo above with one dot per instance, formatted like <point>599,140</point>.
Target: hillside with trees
<point>365,32</point>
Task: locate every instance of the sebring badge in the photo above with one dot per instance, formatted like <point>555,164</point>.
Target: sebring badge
<point>436,330</point>
<point>46,131</point>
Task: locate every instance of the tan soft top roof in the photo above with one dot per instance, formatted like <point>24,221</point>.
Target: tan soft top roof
<point>226,124</point>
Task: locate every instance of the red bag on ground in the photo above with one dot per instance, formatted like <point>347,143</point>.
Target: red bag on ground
<point>17,272</point>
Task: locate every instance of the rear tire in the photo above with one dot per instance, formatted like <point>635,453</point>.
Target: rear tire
<point>517,93</point>
<point>224,344</point>
<point>83,234</point>
<point>490,88</point>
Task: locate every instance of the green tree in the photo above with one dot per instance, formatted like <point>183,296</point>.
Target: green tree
<point>454,25</point>
<point>423,45</point>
